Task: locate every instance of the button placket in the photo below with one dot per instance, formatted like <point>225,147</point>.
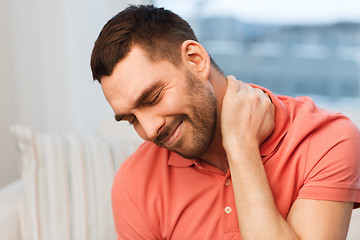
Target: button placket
<point>227,210</point>
<point>231,226</point>
<point>227,182</point>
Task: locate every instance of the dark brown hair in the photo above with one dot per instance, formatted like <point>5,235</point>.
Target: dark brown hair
<point>158,31</point>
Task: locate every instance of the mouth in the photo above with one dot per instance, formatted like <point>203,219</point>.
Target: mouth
<point>173,136</point>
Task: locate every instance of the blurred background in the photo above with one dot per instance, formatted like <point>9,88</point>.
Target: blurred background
<point>46,82</point>
<point>291,47</point>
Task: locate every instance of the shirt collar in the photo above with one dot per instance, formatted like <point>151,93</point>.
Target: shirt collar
<point>176,160</point>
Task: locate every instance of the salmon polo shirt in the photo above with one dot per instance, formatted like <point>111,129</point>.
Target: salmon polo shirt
<point>311,154</point>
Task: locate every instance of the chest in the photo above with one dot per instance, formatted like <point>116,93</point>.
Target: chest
<point>198,203</point>
<point>199,206</point>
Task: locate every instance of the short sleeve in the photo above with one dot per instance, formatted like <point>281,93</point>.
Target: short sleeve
<point>332,170</point>
<point>128,219</point>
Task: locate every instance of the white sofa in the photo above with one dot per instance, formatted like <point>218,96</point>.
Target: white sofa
<point>64,192</point>
<point>65,186</point>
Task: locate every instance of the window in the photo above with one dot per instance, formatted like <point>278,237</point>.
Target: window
<point>293,48</point>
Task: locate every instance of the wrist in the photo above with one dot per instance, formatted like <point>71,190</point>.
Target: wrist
<point>240,144</point>
<point>241,151</point>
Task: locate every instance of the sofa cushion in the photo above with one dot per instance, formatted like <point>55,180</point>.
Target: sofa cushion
<point>9,197</point>
<point>67,181</point>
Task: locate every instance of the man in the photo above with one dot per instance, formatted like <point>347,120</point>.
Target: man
<point>222,159</point>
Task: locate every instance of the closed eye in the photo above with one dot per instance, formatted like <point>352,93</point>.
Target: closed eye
<point>155,98</point>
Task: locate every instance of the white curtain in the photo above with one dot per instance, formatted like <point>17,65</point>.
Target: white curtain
<point>46,83</point>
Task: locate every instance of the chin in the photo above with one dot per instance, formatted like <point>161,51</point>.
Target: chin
<point>187,155</point>
<point>193,152</point>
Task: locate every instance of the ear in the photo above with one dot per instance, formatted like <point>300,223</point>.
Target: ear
<point>196,58</point>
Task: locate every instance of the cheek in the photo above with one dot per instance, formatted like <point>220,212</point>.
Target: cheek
<point>174,104</point>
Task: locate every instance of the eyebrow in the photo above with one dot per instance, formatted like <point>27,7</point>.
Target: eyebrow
<point>143,96</point>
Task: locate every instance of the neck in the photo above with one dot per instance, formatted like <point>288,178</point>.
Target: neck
<point>215,155</point>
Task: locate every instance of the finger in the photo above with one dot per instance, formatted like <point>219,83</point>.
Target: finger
<point>246,88</point>
<point>231,77</point>
<point>250,89</point>
<point>242,87</point>
<point>260,92</point>
<point>233,84</point>
<point>265,95</point>
<point>268,96</point>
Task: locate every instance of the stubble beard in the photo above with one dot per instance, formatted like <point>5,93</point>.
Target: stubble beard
<point>200,127</point>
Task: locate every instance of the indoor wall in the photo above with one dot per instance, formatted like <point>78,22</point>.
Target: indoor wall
<point>46,81</point>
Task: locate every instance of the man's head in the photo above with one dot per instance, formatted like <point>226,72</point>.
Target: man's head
<point>158,31</point>
<point>155,75</point>
<point>172,107</point>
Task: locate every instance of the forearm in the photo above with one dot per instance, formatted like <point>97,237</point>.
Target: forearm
<point>257,213</point>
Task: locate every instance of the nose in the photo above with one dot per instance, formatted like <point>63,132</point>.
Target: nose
<point>149,124</point>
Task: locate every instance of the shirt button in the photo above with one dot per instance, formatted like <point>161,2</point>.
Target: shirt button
<point>227,182</point>
<point>228,210</point>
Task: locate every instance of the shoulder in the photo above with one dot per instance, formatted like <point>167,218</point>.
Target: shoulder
<point>145,161</point>
<point>336,132</point>
<point>134,190</point>
<point>332,153</point>
<point>333,160</point>
<point>334,148</point>
<point>323,126</point>
<point>331,136</point>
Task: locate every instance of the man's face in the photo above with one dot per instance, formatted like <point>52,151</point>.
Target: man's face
<point>166,105</point>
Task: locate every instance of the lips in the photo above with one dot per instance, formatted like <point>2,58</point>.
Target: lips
<point>173,136</point>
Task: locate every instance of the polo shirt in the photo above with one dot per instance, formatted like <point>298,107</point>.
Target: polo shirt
<point>311,154</point>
